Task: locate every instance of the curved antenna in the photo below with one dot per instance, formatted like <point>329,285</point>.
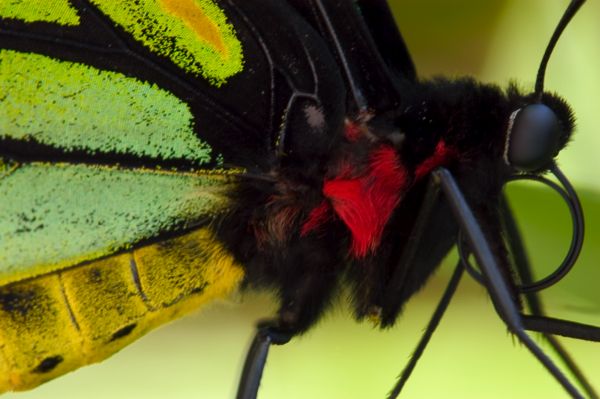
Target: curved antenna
<point>562,24</point>
<point>569,196</point>
<point>572,200</point>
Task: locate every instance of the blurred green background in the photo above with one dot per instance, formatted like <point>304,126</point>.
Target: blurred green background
<point>472,355</point>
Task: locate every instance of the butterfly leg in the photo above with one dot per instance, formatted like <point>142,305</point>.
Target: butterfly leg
<point>431,327</point>
<point>532,299</point>
<point>304,295</point>
<point>266,335</point>
<point>496,285</point>
<point>431,209</point>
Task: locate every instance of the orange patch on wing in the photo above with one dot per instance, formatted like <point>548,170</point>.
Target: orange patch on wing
<point>192,15</point>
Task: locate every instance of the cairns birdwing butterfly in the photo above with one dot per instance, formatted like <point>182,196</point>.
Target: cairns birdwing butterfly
<point>157,155</point>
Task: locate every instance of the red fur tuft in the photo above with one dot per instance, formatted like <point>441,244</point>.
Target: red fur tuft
<point>365,203</point>
<point>283,213</point>
<point>316,218</point>
<point>281,221</point>
<point>442,155</point>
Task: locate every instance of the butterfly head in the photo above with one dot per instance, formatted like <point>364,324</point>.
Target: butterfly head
<point>536,133</point>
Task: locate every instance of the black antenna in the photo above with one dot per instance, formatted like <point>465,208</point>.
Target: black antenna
<point>564,21</point>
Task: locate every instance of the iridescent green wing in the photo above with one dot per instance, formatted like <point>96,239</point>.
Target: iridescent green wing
<point>55,215</point>
<point>107,185</point>
<point>120,122</point>
<point>94,161</point>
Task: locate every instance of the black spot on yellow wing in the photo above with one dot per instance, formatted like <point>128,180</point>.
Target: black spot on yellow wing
<point>15,301</point>
<point>123,332</point>
<point>198,290</point>
<point>48,364</point>
<point>95,275</point>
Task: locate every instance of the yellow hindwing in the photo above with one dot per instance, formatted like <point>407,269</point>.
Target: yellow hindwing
<point>55,323</point>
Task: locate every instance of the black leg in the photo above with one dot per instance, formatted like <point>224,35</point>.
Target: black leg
<point>497,287</point>
<point>303,299</point>
<point>523,268</point>
<point>266,335</point>
<point>430,209</point>
<point>394,290</point>
<point>431,327</point>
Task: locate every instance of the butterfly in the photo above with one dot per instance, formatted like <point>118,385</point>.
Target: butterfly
<point>302,189</point>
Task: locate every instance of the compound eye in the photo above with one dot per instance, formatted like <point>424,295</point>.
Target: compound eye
<point>533,138</point>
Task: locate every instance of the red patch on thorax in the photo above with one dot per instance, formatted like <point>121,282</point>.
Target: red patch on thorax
<point>442,155</point>
<point>316,218</point>
<point>365,203</point>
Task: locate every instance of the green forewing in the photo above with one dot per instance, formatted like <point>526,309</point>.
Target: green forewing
<point>60,202</point>
<point>56,215</point>
<point>194,34</point>
<point>72,106</point>
<point>56,11</point>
